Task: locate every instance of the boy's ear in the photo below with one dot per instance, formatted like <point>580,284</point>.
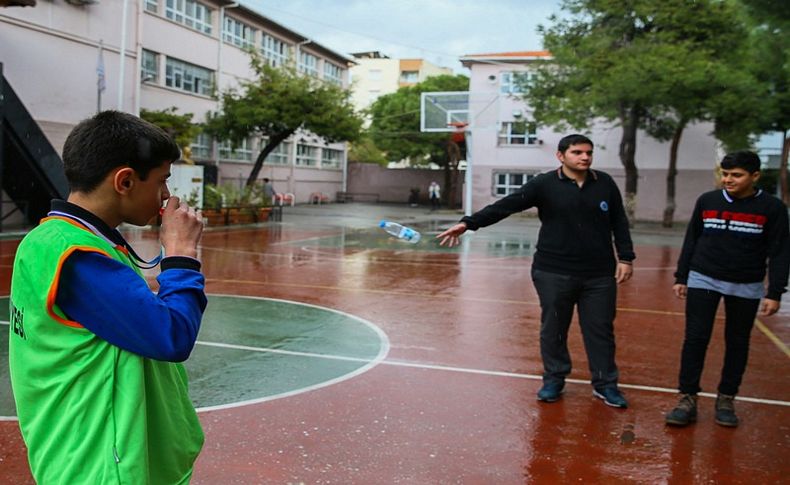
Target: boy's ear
<point>123,180</point>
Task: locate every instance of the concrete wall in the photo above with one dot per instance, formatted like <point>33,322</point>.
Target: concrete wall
<point>393,185</point>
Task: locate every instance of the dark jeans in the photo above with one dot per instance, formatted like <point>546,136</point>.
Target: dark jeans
<point>595,298</point>
<point>701,308</point>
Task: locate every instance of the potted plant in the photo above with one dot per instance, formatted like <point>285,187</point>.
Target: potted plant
<point>212,205</point>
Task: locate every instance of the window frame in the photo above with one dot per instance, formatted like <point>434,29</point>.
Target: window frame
<point>508,137</point>
<point>508,83</point>
<point>310,159</point>
<point>147,70</point>
<point>308,68</point>
<point>509,186</point>
<point>245,152</point>
<point>176,69</point>
<point>276,51</point>
<point>190,13</point>
<point>238,33</point>
<point>331,162</point>
<point>280,155</point>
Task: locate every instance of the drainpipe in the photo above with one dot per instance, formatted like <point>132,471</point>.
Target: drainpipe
<point>123,55</point>
<point>215,145</point>
<point>138,81</point>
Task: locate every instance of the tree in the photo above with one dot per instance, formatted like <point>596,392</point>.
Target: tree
<point>395,128</point>
<point>704,70</point>
<point>364,150</point>
<point>180,127</point>
<point>277,103</point>
<point>609,63</point>
<point>770,40</point>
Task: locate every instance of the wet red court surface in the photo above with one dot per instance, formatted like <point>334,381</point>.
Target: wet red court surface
<point>453,400</point>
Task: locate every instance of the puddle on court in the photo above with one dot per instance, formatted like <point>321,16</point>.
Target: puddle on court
<point>490,244</point>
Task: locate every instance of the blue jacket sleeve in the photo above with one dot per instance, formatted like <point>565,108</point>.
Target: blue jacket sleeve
<point>115,303</point>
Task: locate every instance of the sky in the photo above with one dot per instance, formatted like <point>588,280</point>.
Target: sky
<point>439,31</point>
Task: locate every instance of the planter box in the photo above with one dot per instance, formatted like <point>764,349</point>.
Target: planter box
<point>236,215</point>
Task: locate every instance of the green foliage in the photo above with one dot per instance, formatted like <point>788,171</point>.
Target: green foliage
<point>212,197</point>
<point>278,102</point>
<point>364,150</point>
<point>180,127</point>
<point>231,195</point>
<point>640,64</point>
<point>395,125</point>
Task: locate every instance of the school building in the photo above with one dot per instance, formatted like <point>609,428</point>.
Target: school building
<point>157,54</point>
<point>508,147</point>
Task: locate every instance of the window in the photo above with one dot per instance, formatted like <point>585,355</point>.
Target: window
<point>374,75</point>
<point>373,95</point>
<point>409,76</point>
<point>306,156</point>
<point>201,146</point>
<point>308,64</point>
<point>505,183</point>
<point>149,67</point>
<point>279,156</point>
<point>238,33</point>
<point>152,5</point>
<point>274,50</point>
<point>513,82</point>
<point>333,73</point>
<point>188,77</point>
<point>190,13</point>
<point>518,133</point>
<point>331,158</point>
<point>242,153</point>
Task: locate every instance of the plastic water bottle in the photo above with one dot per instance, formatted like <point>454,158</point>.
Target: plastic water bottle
<point>401,232</point>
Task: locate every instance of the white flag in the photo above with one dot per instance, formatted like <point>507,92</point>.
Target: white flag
<point>101,84</point>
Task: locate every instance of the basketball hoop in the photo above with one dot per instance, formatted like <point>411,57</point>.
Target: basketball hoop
<point>460,127</point>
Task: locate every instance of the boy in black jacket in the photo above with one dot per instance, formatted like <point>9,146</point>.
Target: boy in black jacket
<point>732,233</point>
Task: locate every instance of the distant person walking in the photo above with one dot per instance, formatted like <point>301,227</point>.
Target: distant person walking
<point>435,195</point>
<point>581,211</point>
<point>268,192</point>
<point>734,233</point>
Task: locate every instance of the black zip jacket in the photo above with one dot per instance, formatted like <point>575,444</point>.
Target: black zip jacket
<point>577,224</point>
<point>731,240</point>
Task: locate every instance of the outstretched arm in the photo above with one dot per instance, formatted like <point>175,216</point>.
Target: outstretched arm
<point>450,236</point>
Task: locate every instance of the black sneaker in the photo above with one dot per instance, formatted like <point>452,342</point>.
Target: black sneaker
<point>725,411</point>
<point>684,413</point>
<point>611,396</point>
<point>551,391</point>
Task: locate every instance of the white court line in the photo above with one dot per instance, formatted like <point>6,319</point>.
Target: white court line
<point>417,365</point>
<point>474,371</point>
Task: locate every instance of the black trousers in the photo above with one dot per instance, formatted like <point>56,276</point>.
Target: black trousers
<point>595,298</point>
<point>701,308</point>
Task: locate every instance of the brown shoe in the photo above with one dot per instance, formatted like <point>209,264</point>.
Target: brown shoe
<point>725,411</point>
<point>684,413</point>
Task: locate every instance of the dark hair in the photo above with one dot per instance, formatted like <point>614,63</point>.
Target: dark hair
<point>744,159</point>
<point>113,139</point>
<point>574,139</point>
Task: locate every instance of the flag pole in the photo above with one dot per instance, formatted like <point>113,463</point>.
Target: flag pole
<point>100,81</point>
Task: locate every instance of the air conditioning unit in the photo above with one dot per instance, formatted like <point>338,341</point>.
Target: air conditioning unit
<point>82,2</point>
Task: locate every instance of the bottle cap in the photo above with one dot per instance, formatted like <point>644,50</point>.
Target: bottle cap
<point>382,223</point>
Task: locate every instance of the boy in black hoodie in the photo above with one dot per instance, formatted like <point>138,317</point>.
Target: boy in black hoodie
<point>733,232</point>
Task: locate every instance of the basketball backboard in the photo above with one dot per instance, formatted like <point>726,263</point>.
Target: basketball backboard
<point>443,111</point>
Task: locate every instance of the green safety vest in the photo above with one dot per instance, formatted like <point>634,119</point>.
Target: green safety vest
<point>90,412</point>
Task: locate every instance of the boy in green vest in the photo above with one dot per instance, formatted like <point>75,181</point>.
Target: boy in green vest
<point>93,353</point>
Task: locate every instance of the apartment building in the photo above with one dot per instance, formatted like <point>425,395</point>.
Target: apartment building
<point>157,54</point>
<point>375,74</point>
<point>508,147</point>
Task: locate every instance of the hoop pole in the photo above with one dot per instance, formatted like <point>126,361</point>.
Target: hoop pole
<point>468,174</point>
